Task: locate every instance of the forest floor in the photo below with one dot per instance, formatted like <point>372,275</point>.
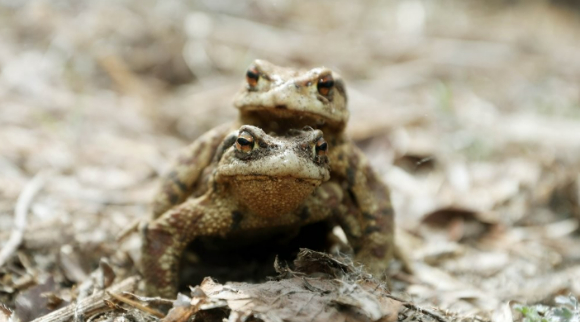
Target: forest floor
<point>470,113</point>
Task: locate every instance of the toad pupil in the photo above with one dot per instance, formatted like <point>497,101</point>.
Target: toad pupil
<point>244,142</point>
<point>321,147</point>
<point>325,84</point>
<point>252,77</point>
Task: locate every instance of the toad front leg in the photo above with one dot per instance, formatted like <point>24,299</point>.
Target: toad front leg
<point>186,172</point>
<point>376,246</point>
<point>165,239</point>
<point>368,220</point>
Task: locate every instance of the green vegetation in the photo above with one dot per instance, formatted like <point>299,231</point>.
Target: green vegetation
<point>566,311</point>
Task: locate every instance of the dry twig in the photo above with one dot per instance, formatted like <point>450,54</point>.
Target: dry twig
<point>20,214</point>
<point>136,305</point>
<point>90,305</point>
<point>416,308</point>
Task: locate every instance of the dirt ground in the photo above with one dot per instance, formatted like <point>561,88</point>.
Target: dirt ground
<point>470,111</point>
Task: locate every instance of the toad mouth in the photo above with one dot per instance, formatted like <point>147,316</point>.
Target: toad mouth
<point>258,177</point>
<point>280,119</point>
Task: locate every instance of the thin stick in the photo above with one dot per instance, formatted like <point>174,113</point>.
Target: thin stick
<point>20,214</point>
<point>136,304</point>
<point>424,311</point>
<point>89,305</point>
<point>412,306</point>
<point>127,231</point>
<point>6,311</point>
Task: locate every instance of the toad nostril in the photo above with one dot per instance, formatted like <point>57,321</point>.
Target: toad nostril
<point>281,107</point>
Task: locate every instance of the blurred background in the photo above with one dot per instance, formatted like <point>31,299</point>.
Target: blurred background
<point>469,110</point>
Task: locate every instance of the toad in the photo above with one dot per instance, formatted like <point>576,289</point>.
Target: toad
<point>261,185</point>
<point>277,99</point>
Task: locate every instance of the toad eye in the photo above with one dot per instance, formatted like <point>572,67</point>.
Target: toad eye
<point>252,76</point>
<point>321,147</point>
<point>245,142</point>
<point>325,84</point>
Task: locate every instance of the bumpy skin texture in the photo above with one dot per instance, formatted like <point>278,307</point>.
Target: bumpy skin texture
<point>277,99</point>
<point>267,187</point>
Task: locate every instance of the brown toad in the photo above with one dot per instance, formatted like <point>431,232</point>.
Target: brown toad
<point>277,99</point>
<point>261,185</point>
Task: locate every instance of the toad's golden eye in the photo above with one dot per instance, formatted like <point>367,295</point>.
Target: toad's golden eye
<point>245,142</point>
<point>325,84</point>
<point>252,76</point>
<point>321,147</point>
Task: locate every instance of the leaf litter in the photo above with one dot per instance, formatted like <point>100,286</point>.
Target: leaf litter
<point>469,111</point>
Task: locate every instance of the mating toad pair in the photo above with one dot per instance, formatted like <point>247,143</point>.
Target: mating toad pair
<point>271,172</point>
